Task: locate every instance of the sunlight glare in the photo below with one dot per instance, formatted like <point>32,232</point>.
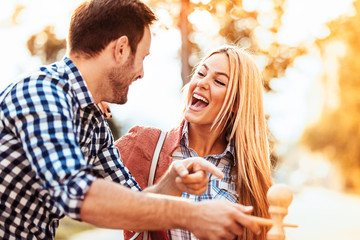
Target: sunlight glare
<point>245,23</point>
<point>264,37</point>
<point>324,32</point>
<point>202,20</point>
<point>6,11</point>
<point>205,1</point>
<point>250,5</point>
<point>221,10</point>
<point>201,1</point>
<point>302,19</point>
<point>266,20</point>
<point>164,19</point>
<point>257,5</point>
<point>265,6</point>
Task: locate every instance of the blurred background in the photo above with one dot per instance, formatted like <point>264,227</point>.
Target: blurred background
<point>308,53</point>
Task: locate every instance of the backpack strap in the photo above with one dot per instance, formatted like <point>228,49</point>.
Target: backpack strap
<point>152,171</point>
<point>155,158</point>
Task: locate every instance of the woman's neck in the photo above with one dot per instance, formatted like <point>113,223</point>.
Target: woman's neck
<point>206,141</point>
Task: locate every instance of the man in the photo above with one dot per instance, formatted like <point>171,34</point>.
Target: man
<point>57,155</point>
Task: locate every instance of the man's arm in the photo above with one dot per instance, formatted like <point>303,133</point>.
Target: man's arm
<point>110,205</point>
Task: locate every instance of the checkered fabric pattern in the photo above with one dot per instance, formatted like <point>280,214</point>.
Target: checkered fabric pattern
<point>217,188</point>
<point>53,143</point>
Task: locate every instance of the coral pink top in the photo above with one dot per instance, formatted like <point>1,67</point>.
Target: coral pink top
<point>136,151</point>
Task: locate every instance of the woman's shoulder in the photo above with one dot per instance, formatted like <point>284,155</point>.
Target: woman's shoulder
<point>151,132</point>
<point>145,136</point>
<point>143,130</point>
<point>138,135</point>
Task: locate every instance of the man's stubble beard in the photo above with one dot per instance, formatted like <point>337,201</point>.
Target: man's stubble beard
<point>120,78</point>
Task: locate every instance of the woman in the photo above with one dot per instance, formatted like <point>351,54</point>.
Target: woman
<point>223,122</point>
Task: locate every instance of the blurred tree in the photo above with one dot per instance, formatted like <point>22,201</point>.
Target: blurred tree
<point>337,133</point>
<point>46,45</point>
<point>249,29</point>
<point>186,46</point>
<point>237,26</point>
<point>17,12</point>
<point>13,20</point>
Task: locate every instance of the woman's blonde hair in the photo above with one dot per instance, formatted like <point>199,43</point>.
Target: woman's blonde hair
<point>242,115</point>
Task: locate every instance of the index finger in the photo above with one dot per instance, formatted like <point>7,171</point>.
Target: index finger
<point>259,220</point>
<point>248,222</point>
<point>204,165</point>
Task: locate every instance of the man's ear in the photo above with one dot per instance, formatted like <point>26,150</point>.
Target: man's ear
<point>122,48</point>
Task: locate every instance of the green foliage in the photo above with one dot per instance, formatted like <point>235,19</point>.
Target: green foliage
<point>114,127</point>
<point>69,227</point>
<point>337,134</point>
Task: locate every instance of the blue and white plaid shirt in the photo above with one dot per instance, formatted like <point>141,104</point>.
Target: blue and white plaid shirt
<point>217,188</point>
<point>53,143</point>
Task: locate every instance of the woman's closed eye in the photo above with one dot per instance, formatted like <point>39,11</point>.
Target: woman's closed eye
<point>219,82</point>
<point>201,74</point>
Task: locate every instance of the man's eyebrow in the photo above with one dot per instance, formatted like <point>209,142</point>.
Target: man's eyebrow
<point>218,73</point>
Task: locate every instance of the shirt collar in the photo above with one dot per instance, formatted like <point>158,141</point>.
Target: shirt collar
<point>229,148</point>
<point>77,82</point>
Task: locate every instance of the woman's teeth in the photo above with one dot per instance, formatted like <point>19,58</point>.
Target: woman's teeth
<point>200,98</point>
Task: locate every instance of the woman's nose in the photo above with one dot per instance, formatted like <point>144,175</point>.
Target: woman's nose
<point>203,83</point>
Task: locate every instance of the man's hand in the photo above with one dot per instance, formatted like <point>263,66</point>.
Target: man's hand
<point>189,175</point>
<point>219,219</point>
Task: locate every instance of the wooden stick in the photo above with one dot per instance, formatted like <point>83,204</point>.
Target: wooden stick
<point>262,221</point>
<point>269,222</point>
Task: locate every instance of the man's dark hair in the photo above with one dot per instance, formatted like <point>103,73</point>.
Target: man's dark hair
<point>95,23</point>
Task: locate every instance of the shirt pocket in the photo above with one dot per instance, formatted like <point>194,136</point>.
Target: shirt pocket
<point>223,190</point>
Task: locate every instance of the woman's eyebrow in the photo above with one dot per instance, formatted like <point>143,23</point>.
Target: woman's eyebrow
<point>218,73</point>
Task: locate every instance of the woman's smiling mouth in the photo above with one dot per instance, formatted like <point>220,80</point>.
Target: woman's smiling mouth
<point>198,102</point>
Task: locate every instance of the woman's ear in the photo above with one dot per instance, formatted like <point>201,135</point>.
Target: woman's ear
<point>122,48</point>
